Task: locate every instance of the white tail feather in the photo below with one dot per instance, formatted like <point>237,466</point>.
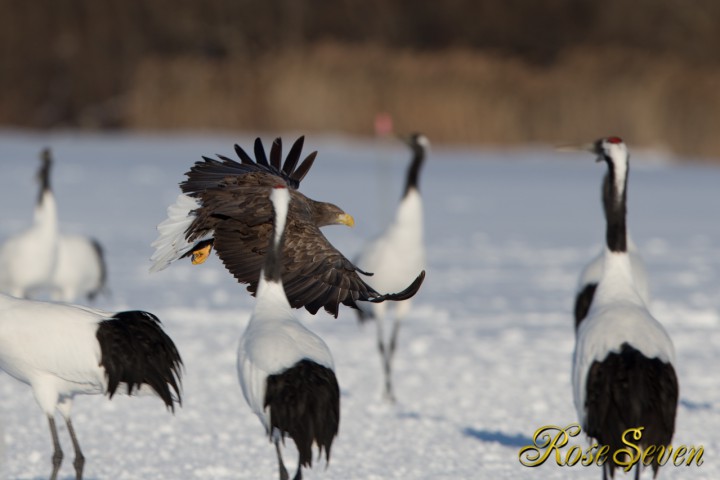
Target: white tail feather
<point>171,243</point>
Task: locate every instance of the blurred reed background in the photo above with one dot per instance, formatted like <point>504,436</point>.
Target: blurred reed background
<point>465,71</point>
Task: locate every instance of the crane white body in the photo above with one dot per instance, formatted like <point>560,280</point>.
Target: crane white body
<point>397,255</point>
<point>80,269</point>
<point>617,315</point>
<point>593,271</point>
<point>63,350</point>
<point>53,348</point>
<point>28,259</point>
<point>274,340</point>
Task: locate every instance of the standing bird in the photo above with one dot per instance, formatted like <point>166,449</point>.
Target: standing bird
<point>395,256</point>
<point>285,370</point>
<point>81,271</point>
<point>623,374</point>
<point>225,205</point>
<point>27,259</point>
<point>63,350</point>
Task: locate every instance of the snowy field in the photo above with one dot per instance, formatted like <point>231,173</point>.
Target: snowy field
<point>484,358</point>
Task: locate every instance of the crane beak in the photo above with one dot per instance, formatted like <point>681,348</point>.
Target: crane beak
<point>585,147</point>
<point>346,219</point>
<point>404,139</point>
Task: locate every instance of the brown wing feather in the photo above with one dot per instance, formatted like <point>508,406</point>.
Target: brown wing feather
<point>294,156</point>
<point>211,173</point>
<point>276,154</point>
<point>246,200</point>
<point>235,204</point>
<point>316,275</point>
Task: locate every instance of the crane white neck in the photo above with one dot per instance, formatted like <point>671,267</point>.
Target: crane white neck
<point>45,216</point>
<point>272,269</point>
<point>270,295</point>
<point>407,226</point>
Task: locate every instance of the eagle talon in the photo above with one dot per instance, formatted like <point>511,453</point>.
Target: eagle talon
<point>201,254</point>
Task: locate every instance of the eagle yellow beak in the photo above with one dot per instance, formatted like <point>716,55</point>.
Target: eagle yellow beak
<point>346,219</point>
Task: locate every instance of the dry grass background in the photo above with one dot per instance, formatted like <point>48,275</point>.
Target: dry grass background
<point>455,96</point>
<point>468,71</point>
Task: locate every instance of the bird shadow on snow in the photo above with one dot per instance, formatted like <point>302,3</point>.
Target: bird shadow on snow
<point>507,440</point>
<point>45,478</point>
<point>516,440</point>
<point>68,477</point>
<point>691,405</point>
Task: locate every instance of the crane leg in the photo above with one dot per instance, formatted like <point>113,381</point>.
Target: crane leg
<point>79,462</point>
<point>57,450</point>
<point>281,465</point>
<point>386,359</point>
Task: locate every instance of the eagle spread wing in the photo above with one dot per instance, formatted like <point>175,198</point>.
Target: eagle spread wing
<point>234,214</point>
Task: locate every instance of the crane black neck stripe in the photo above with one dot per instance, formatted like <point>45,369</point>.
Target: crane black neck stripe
<point>615,207</point>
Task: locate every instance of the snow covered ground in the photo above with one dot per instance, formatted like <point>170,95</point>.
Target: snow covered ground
<point>484,358</point>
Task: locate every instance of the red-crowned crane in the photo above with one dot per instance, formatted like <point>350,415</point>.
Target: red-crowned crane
<point>395,257</point>
<point>286,371</point>
<point>63,350</point>
<point>81,270</point>
<point>623,375</point>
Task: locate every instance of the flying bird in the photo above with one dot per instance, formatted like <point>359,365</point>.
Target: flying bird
<point>395,256</point>
<point>623,373</point>
<point>286,371</point>
<point>225,205</point>
<point>63,350</point>
<point>27,259</point>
